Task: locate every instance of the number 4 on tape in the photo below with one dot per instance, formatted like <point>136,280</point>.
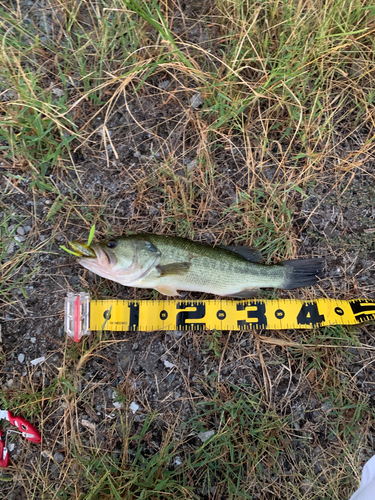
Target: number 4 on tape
<point>82,315</point>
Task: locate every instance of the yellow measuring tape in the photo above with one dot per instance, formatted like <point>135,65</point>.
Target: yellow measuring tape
<point>149,315</point>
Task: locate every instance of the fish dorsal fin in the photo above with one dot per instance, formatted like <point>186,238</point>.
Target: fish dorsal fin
<point>248,253</point>
<point>179,268</point>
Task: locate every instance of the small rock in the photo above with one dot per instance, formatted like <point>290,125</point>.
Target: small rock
<point>168,364</point>
<point>176,333</point>
<point>327,405</point>
<point>88,424</point>
<point>59,237</point>
<point>26,229</point>
<point>46,454</point>
<point>58,457</point>
<point>21,358</point>
<point>134,407</point>
<point>10,247</point>
<point>117,404</point>
<point>20,231</point>
<point>196,100</point>
<point>192,165</point>
<point>57,92</point>
<point>153,211</point>
<point>164,84</point>
<point>100,131</point>
<point>55,472</point>
<point>316,414</point>
<point>317,451</point>
<point>37,361</point>
<point>33,340</point>
<point>73,81</point>
<point>306,486</point>
<point>11,446</point>
<point>205,435</point>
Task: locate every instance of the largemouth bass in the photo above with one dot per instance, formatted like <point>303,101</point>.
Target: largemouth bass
<point>169,263</point>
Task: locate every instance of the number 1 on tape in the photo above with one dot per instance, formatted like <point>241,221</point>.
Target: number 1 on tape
<point>251,314</point>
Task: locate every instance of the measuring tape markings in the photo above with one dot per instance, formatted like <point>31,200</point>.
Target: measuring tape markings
<point>251,314</point>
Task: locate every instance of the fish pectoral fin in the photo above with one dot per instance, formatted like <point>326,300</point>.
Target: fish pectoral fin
<point>169,290</point>
<point>248,253</point>
<point>246,293</point>
<point>175,268</point>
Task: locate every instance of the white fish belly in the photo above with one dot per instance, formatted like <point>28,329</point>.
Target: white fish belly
<point>218,283</point>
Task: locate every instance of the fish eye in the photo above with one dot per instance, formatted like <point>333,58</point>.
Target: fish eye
<point>112,244</point>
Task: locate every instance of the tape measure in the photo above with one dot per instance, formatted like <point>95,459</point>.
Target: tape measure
<point>83,314</point>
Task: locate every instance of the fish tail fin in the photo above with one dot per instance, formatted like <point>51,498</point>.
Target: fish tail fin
<point>302,273</point>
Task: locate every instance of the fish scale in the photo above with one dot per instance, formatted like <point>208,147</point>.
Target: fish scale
<point>213,270</point>
<point>205,276</point>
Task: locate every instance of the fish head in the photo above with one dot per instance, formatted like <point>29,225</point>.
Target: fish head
<point>124,260</point>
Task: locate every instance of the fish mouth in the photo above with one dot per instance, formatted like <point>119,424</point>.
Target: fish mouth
<point>103,255</point>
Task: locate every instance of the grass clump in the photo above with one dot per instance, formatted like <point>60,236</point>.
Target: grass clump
<point>11,279</point>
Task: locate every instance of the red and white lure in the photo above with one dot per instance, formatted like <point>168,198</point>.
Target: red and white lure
<point>25,428</point>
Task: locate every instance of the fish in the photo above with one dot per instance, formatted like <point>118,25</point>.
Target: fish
<point>170,264</point>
